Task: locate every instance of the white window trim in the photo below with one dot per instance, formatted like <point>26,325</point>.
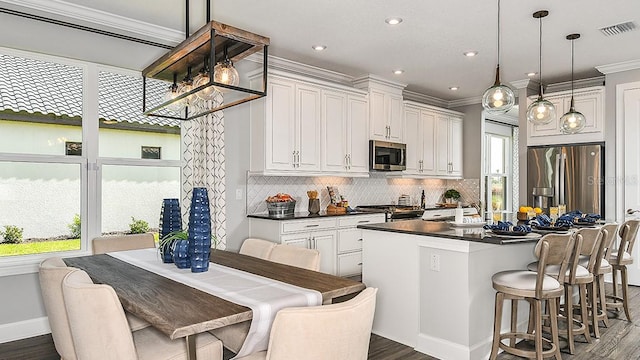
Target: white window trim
<point>505,131</point>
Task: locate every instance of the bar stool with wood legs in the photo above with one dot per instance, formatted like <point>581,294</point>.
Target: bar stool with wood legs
<point>619,259</point>
<point>536,288</point>
<point>601,268</point>
<point>592,240</point>
<point>574,275</point>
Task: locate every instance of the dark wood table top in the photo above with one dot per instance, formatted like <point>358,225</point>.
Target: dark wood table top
<point>178,310</point>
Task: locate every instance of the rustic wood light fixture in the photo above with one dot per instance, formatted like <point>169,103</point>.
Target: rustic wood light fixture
<point>214,43</point>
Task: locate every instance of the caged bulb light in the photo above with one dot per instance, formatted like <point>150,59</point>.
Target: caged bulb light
<point>225,73</point>
<point>171,94</point>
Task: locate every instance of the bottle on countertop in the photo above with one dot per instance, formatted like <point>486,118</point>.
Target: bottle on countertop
<point>422,201</point>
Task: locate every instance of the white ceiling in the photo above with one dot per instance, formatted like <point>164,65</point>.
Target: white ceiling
<point>428,44</point>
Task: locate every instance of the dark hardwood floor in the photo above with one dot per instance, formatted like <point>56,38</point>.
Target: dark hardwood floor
<point>620,341</point>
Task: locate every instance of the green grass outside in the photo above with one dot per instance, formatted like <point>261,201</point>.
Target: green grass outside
<point>39,247</point>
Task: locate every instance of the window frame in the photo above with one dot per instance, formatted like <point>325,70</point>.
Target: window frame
<point>505,132</point>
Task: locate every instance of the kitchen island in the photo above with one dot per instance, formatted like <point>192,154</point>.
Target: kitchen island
<point>435,291</point>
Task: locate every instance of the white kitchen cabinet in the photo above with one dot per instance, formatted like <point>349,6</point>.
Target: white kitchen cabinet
<point>336,237</point>
<point>448,130</point>
<point>344,133</point>
<point>324,241</point>
<point>285,128</point>
<point>385,116</point>
<point>419,136</point>
<point>588,101</point>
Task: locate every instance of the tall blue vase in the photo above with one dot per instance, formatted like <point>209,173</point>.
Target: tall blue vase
<point>170,221</point>
<point>199,230</point>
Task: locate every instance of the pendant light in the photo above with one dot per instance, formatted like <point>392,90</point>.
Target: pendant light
<point>573,121</point>
<point>499,98</point>
<point>541,111</point>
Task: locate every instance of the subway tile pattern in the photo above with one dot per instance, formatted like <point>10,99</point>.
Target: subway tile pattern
<point>378,189</point>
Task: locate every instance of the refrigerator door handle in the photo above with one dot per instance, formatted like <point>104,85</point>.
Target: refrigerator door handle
<point>563,160</point>
<point>556,179</point>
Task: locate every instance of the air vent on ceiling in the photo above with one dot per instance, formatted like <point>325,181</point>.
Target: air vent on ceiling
<point>619,28</point>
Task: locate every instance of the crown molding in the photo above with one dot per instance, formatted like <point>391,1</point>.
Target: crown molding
<point>290,66</point>
<point>364,81</point>
<point>98,17</point>
<point>465,102</point>
<point>577,84</point>
<point>523,84</point>
<point>424,99</point>
<point>619,67</point>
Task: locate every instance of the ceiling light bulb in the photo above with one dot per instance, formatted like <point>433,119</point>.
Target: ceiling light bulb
<point>172,93</point>
<point>207,93</point>
<point>225,73</point>
<point>470,53</point>
<point>541,111</point>
<point>393,21</point>
<point>532,74</point>
<point>572,122</point>
<point>453,88</point>
<point>318,47</point>
<point>398,72</point>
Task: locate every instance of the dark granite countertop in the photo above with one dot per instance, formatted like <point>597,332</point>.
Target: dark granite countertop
<point>306,215</point>
<point>444,230</point>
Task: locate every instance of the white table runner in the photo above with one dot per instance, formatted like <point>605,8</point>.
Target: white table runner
<point>264,296</point>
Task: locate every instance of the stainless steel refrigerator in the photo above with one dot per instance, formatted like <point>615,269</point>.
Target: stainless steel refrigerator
<point>572,175</point>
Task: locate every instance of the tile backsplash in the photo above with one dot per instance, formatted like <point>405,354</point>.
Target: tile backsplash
<point>377,189</point>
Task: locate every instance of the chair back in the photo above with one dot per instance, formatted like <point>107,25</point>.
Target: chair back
<point>554,249</point>
<point>628,235</point>
<point>592,239</point>
<point>257,248</point>
<point>296,256</point>
<point>105,244</point>
<point>98,324</point>
<point>51,273</point>
<point>337,332</point>
<point>609,232</point>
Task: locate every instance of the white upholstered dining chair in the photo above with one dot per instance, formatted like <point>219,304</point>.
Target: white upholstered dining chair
<point>338,332</point>
<point>296,256</point>
<point>105,244</point>
<point>257,248</point>
<point>233,336</point>
<point>100,330</point>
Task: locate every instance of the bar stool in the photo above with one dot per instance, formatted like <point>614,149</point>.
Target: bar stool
<point>619,259</point>
<point>574,275</point>
<point>536,288</point>
<point>592,240</point>
<point>601,268</point>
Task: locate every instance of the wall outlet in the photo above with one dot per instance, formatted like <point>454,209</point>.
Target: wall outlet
<point>238,194</point>
<point>435,262</point>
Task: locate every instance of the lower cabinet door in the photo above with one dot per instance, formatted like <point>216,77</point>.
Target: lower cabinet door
<point>301,240</point>
<point>325,242</point>
<point>350,264</point>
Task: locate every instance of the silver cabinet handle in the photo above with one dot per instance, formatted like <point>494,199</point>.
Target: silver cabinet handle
<point>363,221</point>
<point>346,161</point>
<point>298,155</point>
<point>294,158</point>
<point>360,264</point>
<point>359,239</point>
<point>312,225</point>
<point>349,161</point>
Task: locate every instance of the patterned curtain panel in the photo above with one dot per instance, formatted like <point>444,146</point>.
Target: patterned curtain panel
<point>203,165</point>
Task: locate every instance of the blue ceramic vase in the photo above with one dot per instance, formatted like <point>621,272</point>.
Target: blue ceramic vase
<point>199,230</point>
<point>170,221</point>
<point>181,254</point>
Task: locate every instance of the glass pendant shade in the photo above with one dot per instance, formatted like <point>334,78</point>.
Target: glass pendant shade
<point>573,121</point>
<point>498,99</point>
<point>207,93</point>
<point>541,111</point>
<point>225,73</point>
<point>171,94</point>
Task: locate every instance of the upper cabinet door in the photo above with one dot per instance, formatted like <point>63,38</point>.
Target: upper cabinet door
<point>280,126</point>
<point>378,115</point>
<point>358,141</point>
<point>307,122</point>
<point>395,118</point>
<point>334,131</point>
<point>442,145</point>
<point>413,139</point>
<point>455,147</point>
<point>428,132</point>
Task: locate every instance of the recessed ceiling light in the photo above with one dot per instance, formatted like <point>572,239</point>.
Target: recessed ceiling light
<point>530,74</point>
<point>470,53</point>
<point>454,88</point>
<point>398,71</point>
<point>319,47</point>
<point>393,21</point>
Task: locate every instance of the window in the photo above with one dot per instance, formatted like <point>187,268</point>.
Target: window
<point>66,178</point>
<point>498,170</point>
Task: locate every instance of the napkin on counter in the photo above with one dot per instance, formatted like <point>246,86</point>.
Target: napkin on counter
<point>508,226</point>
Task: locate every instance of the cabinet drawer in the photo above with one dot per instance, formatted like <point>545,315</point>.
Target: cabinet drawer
<point>350,264</point>
<point>356,220</point>
<point>349,240</point>
<point>307,225</point>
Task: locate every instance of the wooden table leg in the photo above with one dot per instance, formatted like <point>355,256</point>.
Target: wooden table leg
<point>191,346</point>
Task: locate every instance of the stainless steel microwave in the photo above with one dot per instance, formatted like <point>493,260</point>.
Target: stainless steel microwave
<point>387,156</point>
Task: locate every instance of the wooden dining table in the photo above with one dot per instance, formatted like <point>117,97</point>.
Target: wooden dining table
<point>180,311</point>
